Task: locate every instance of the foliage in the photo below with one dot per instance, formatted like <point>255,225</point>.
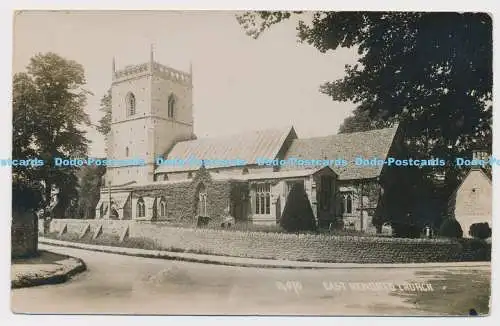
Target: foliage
<point>26,195</point>
<point>297,214</point>
<point>403,230</point>
<point>357,122</point>
<point>104,126</point>
<point>451,229</point>
<point>48,112</point>
<point>267,18</point>
<point>429,72</point>
<point>480,230</point>
<point>89,191</point>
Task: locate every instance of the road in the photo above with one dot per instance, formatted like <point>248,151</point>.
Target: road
<point>115,284</point>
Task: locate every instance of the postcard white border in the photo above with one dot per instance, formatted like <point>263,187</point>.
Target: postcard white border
<point>6,10</point>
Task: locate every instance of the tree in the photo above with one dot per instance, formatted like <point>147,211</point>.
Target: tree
<point>359,121</point>
<point>104,126</point>
<point>356,123</point>
<point>26,196</point>
<point>431,72</point>
<point>480,230</point>
<point>48,112</point>
<point>298,214</point>
<point>89,190</point>
<point>451,229</point>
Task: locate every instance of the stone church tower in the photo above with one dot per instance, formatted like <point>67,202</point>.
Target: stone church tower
<point>152,108</point>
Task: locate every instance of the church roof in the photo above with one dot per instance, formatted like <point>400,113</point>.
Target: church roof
<point>247,147</point>
<point>368,144</point>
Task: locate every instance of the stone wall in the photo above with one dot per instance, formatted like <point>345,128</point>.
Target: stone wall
<point>322,248</point>
<point>24,234</point>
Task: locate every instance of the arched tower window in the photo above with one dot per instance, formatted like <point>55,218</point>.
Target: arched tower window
<point>130,101</point>
<point>171,106</point>
<point>127,152</point>
<point>141,208</point>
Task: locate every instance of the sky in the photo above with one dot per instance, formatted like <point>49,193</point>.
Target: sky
<point>240,84</point>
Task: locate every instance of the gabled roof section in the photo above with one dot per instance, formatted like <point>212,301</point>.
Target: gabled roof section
<point>485,172</point>
<point>368,144</point>
<point>245,146</point>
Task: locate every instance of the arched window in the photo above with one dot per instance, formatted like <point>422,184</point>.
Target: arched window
<point>141,208</point>
<point>202,201</point>
<point>127,152</point>
<point>263,199</point>
<point>349,204</point>
<point>245,171</point>
<point>101,211</point>
<point>171,106</point>
<point>130,101</point>
<point>163,207</point>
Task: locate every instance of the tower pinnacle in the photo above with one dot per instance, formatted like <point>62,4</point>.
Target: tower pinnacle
<point>151,54</point>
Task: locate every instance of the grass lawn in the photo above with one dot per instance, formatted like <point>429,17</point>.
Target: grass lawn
<point>455,292</point>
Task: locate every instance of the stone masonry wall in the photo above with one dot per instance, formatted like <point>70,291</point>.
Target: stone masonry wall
<point>326,248</point>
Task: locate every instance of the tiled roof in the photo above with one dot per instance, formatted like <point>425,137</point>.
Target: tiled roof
<point>367,144</point>
<point>245,146</point>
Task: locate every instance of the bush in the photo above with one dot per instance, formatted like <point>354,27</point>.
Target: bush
<point>403,230</point>
<point>480,230</point>
<point>26,196</point>
<point>203,221</point>
<point>298,214</point>
<point>451,228</point>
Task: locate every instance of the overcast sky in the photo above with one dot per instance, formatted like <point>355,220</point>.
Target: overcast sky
<point>240,84</point>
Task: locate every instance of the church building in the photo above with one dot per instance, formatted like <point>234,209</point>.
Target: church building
<point>152,117</point>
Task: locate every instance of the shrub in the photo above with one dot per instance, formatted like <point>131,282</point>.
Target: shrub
<point>480,230</point>
<point>403,230</point>
<point>26,196</point>
<point>451,228</point>
<point>298,214</point>
<point>203,221</point>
